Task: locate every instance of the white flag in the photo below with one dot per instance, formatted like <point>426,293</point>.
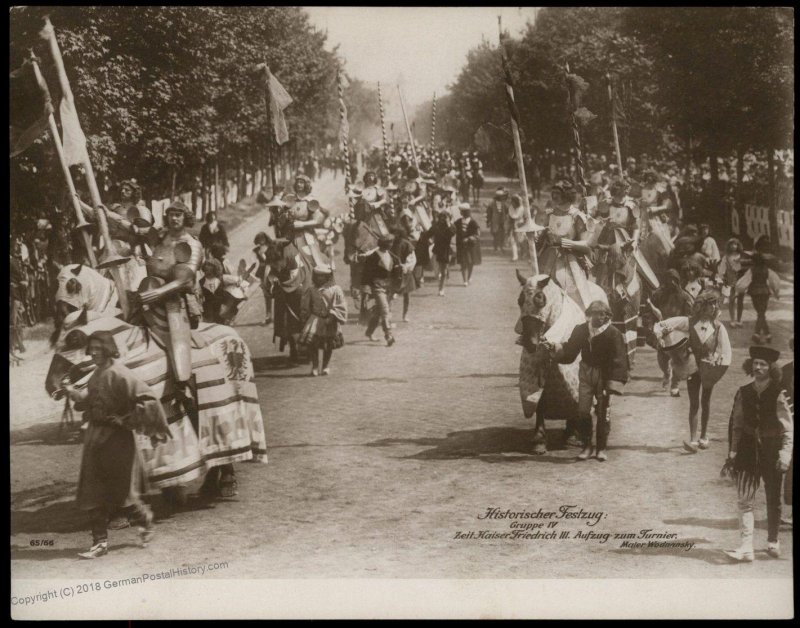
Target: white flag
<point>74,140</point>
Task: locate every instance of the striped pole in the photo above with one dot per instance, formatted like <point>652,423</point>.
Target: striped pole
<point>344,141</point>
<point>383,137</point>
<point>576,134</point>
<point>433,122</point>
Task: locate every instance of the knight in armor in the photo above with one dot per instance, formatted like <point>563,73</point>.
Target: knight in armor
<point>171,307</point>
<point>565,248</point>
<point>300,219</point>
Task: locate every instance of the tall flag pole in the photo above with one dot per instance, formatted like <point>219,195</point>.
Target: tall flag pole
<point>512,107</point>
<point>614,123</point>
<point>433,122</point>
<point>77,152</point>
<point>572,100</point>
<point>82,225</point>
<point>344,140</point>
<point>408,130</point>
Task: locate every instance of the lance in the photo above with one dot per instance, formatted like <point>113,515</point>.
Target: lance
<point>82,225</point>
<point>518,151</point>
<point>614,123</point>
<point>433,122</point>
<point>408,129</point>
<point>344,140</point>
<point>111,259</point>
<point>576,134</point>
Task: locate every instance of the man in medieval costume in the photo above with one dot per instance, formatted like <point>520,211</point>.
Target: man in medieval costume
<point>116,403</point>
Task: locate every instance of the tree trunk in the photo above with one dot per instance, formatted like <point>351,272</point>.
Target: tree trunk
<point>773,209</point>
<point>239,190</point>
<point>713,197</point>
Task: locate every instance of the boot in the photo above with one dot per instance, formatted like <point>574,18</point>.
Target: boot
<point>96,550</point>
<point>744,553</point>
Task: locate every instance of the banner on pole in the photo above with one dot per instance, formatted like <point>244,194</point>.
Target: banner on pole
<point>279,99</point>
<point>29,109</point>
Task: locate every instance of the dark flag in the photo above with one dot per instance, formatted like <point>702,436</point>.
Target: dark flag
<point>512,105</point>
<point>29,109</point>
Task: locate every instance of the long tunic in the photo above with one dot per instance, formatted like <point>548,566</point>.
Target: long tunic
<point>761,432</point>
<point>324,310</point>
<point>112,473</point>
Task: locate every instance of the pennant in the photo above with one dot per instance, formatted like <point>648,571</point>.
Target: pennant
<point>74,140</point>
<point>279,99</point>
<point>512,105</point>
<point>29,108</point>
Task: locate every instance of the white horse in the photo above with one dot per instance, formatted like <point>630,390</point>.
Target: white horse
<point>548,314</point>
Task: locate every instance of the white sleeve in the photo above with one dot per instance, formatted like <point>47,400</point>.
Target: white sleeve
<point>724,346</point>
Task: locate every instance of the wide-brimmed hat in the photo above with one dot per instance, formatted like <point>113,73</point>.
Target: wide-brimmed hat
<point>501,192</point>
<point>322,269</point>
<point>768,354</point>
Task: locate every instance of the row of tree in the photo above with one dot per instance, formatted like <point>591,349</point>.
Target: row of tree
<point>706,81</point>
<point>170,95</point>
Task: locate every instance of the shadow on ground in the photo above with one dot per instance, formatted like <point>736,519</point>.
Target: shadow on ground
<point>48,434</point>
<point>491,444</point>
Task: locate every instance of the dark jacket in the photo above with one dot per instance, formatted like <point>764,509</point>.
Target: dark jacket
<point>463,233</point>
<point>606,351</point>
<point>376,275</point>
<point>442,236</point>
<point>208,239</point>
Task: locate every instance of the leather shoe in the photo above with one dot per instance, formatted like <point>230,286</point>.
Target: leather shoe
<point>586,453</point>
<point>740,556</point>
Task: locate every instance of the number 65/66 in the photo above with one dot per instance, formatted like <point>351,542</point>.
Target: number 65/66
<point>42,543</point>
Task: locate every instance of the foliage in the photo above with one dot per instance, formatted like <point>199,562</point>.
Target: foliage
<point>162,90</point>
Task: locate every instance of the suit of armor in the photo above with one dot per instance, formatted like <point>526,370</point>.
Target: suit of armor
<point>172,310</point>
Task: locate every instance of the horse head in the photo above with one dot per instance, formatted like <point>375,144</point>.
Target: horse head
<point>540,304</point>
<point>81,287</point>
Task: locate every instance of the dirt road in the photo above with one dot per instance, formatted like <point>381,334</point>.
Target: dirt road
<point>385,467</point>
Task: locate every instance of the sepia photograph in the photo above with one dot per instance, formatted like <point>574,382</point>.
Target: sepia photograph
<point>369,312</point>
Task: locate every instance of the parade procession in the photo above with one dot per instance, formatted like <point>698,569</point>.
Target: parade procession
<point>317,312</point>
